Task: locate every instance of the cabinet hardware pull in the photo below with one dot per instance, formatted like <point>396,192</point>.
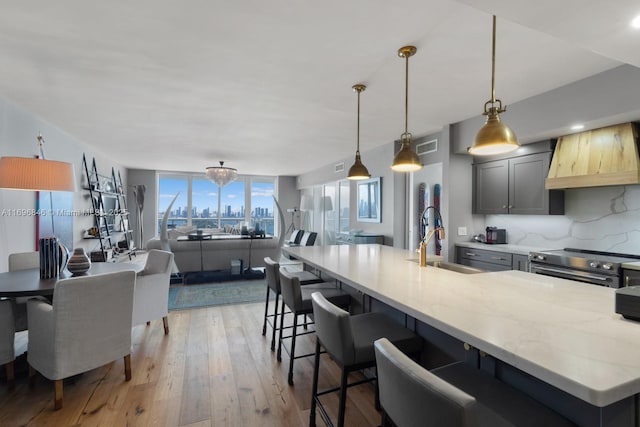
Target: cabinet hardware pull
<point>498,258</point>
<point>470,254</point>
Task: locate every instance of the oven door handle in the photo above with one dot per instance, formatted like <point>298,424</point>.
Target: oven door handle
<point>569,273</point>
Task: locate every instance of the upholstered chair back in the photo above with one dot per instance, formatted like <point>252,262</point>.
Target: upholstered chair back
<point>24,261</point>
<point>272,273</point>
<point>333,329</point>
<point>414,397</point>
<point>290,288</point>
<point>158,262</point>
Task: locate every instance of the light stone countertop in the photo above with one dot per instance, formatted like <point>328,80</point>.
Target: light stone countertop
<point>631,265</point>
<point>507,248</point>
<point>563,332</point>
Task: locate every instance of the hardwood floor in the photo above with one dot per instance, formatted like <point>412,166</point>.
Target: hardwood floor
<point>213,369</point>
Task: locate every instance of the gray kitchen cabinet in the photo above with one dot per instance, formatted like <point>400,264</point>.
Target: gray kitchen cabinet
<point>484,259</point>
<point>520,262</point>
<point>515,185</point>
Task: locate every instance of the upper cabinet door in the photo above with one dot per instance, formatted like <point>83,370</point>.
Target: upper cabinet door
<point>491,187</point>
<point>515,186</point>
<point>527,194</point>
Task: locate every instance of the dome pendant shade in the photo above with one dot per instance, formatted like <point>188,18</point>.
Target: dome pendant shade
<point>406,160</point>
<point>494,137</point>
<point>358,170</point>
<point>221,175</point>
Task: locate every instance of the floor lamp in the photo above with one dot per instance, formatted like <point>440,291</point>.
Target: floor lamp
<point>36,174</point>
<point>306,205</point>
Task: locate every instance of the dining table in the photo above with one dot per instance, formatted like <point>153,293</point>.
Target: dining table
<point>26,283</point>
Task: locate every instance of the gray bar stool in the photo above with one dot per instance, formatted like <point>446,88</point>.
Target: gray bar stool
<point>298,299</point>
<point>272,272</point>
<point>349,341</point>
<point>455,395</point>
<point>412,396</point>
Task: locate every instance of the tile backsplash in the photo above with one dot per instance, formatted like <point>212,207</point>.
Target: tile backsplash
<point>599,218</point>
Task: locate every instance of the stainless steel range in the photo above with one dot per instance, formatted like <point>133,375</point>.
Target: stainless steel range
<point>593,267</point>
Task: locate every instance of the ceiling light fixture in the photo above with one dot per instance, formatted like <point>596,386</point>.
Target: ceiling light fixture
<point>221,175</point>
<point>494,137</point>
<point>577,127</point>
<point>407,159</point>
<point>358,170</point>
<point>635,23</point>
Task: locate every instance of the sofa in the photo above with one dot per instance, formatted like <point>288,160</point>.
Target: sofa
<point>217,253</point>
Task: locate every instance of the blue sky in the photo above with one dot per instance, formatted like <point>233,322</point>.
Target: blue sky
<point>205,194</point>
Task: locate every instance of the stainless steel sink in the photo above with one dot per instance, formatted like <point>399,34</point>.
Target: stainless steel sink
<point>452,266</point>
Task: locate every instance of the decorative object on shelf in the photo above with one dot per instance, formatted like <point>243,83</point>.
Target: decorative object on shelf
<point>406,160</point>
<point>358,170</point>
<point>53,257</point>
<point>79,263</point>
<point>494,137</point>
<point>221,175</point>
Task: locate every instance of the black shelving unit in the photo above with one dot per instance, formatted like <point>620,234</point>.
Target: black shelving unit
<point>108,201</point>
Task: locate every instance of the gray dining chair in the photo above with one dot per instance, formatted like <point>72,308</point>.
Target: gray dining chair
<point>13,314</point>
<point>349,341</point>
<point>87,326</point>
<point>7,334</point>
<point>151,298</point>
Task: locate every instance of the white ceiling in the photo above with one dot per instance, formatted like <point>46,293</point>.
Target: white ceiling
<point>266,86</point>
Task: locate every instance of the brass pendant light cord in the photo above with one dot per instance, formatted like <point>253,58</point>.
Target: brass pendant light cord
<point>493,63</point>
<point>406,95</point>
<point>358,127</point>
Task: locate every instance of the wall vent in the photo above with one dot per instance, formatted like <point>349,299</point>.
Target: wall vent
<point>339,167</point>
<point>427,147</point>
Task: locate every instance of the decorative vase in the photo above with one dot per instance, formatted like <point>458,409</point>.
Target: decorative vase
<point>79,263</point>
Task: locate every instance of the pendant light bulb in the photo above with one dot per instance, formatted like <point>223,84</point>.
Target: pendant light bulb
<point>358,171</point>
<point>406,160</point>
<point>494,137</point>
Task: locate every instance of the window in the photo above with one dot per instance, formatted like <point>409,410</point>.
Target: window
<point>246,201</point>
<point>262,212</point>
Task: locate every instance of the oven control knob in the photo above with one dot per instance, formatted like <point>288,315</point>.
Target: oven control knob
<point>539,257</point>
<point>607,266</point>
<point>594,264</point>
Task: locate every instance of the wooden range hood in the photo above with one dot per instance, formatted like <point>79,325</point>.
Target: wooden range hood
<point>599,157</point>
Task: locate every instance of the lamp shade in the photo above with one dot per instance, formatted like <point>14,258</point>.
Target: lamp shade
<point>358,170</point>
<point>24,173</point>
<point>306,203</point>
<point>221,175</point>
<point>494,137</point>
<point>406,160</point>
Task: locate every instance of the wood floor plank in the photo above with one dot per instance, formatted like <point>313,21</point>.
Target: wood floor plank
<point>213,369</point>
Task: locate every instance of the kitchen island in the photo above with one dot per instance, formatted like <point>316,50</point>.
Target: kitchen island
<point>561,332</point>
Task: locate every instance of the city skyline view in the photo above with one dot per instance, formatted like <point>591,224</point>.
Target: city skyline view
<point>204,202</point>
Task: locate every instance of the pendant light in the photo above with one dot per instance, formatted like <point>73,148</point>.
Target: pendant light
<point>221,175</point>
<point>406,160</point>
<point>494,137</point>
<point>358,170</point>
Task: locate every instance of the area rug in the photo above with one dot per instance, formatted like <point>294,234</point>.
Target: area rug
<point>236,292</point>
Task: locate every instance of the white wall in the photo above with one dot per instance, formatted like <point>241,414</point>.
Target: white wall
<point>18,132</point>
